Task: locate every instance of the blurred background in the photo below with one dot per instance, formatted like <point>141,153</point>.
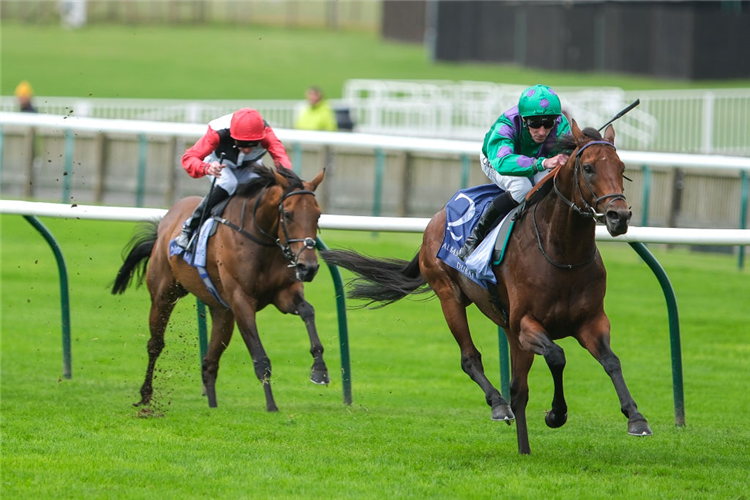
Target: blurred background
<point>417,68</point>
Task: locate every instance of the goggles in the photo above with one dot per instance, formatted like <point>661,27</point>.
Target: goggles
<point>246,144</point>
<point>541,121</point>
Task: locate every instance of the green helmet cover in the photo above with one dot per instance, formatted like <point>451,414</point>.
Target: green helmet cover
<point>539,100</point>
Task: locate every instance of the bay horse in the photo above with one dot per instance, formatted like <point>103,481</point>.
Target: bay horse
<point>550,284</point>
<point>262,252</point>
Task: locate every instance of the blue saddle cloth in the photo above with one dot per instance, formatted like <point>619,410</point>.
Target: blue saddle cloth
<point>197,258</point>
<point>462,213</point>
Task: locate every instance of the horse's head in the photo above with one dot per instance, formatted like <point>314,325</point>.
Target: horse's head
<point>298,223</point>
<point>598,179</point>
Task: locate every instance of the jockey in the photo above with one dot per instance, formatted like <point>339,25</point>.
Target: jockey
<point>243,137</point>
<point>516,154</point>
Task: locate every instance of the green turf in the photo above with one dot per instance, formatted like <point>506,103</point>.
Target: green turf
<point>241,62</point>
<point>418,428</point>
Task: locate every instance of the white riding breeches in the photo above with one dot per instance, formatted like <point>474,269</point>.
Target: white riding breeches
<point>231,176</point>
<point>518,186</point>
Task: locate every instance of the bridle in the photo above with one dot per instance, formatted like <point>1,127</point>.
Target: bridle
<point>272,241</point>
<point>587,210</point>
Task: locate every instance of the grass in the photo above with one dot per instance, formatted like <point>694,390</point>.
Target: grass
<point>245,62</point>
<point>418,428</point>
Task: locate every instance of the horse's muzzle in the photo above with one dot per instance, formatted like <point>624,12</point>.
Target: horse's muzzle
<point>306,271</point>
<point>617,220</point>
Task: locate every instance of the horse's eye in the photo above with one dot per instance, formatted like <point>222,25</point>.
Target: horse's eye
<point>588,168</point>
<point>288,216</point>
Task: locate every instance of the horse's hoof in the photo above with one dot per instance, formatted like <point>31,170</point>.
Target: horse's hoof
<point>319,377</point>
<point>554,421</point>
<point>639,428</point>
<point>503,413</point>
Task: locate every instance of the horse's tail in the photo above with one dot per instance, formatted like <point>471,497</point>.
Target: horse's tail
<point>381,281</point>
<point>138,251</point>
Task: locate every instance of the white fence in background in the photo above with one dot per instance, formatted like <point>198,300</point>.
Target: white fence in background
<point>334,139</point>
<point>686,121</point>
<point>665,235</point>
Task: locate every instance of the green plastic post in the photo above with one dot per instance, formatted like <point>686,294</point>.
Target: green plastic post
<point>68,167</point>
<point>338,284</point>
<point>674,330</point>
<point>64,295</point>
<point>142,153</point>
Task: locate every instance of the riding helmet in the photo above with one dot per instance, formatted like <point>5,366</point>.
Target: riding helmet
<point>539,100</point>
<point>247,125</point>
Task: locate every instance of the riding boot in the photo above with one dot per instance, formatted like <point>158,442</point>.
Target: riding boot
<point>495,211</point>
<point>209,201</point>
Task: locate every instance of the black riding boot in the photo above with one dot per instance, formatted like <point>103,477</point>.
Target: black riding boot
<point>494,213</point>
<point>209,201</point>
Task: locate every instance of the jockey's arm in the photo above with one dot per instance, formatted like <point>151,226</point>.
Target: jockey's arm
<point>192,160</point>
<point>276,149</point>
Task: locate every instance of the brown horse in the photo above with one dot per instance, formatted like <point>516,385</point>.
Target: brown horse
<point>550,284</point>
<point>263,249</point>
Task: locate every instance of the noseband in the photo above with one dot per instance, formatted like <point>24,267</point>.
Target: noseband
<point>587,210</point>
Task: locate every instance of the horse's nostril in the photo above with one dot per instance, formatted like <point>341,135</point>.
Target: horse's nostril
<point>613,216</point>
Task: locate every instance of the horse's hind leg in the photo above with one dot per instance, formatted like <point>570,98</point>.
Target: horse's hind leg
<point>222,327</point>
<point>595,339</point>
<point>162,304</point>
<point>471,359</point>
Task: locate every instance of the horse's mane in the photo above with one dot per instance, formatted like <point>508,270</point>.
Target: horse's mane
<point>267,178</point>
<point>567,143</point>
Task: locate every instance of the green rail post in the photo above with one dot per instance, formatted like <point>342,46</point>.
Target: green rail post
<point>379,171</point>
<point>297,158</point>
<point>202,329</point>
<point>64,295</point>
<point>140,188</point>
<point>646,194</point>
<point>68,167</point>
<point>743,215</point>
<point>338,284</point>
<point>674,330</point>
<point>2,146</point>
<point>465,168</point>
<point>502,341</point>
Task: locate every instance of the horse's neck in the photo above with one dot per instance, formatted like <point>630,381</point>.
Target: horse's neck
<point>253,216</point>
<point>563,230</point>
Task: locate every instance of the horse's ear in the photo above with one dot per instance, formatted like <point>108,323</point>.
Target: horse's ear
<point>317,180</point>
<point>281,180</point>
<point>609,134</point>
<point>577,134</point>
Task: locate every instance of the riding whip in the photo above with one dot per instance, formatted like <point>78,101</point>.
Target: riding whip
<point>205,206</point>
<point>621,113</point>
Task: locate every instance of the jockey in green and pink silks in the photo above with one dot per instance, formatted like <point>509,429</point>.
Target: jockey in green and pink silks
<point>517,152</point>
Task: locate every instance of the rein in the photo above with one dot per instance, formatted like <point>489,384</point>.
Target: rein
<point>587,211</point>
<point>309,243</point>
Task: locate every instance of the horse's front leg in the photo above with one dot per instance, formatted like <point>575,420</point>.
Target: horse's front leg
<point>293,302</point>
<point>533,339</point>
<point>222,327</point>
<point>594,337</point>
<point>244,309</point>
